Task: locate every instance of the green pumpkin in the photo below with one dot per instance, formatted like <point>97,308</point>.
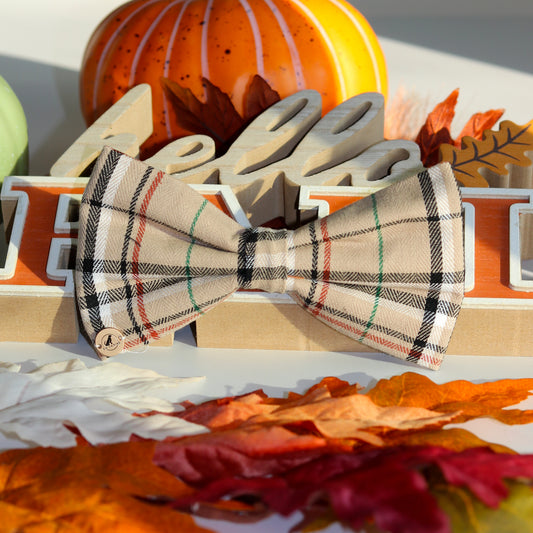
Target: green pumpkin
<point>13,134</point>
<point>13,146</point>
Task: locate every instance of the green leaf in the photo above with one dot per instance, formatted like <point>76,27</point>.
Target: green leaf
<point>468,515</point>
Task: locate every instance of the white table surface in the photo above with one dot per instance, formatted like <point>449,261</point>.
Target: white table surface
<point>41,46</point>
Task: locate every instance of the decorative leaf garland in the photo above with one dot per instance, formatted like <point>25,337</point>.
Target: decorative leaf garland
<point>265,454</point>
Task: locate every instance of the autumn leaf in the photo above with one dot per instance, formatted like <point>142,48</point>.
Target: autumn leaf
<point>436,130</point>
<point>225,412</point>
<point>472,400</point>
<point>105,489</point>
<point>391,487</point>
<point>217,116</point>
<point>478,123</point>
<point>100,402</point>
<point>246,452</point>
<point>348,416</point>
<point>258,97</point>
<point>342,415</point>
<point>456,439</point>
<point>249,433</point>
<point>495,154</point>
<point>483,472</point>
<point>302,452</point>
<point>468,515</point>
<point>332,410</point>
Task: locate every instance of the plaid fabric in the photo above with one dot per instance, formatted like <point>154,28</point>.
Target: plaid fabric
<point>388,270</point>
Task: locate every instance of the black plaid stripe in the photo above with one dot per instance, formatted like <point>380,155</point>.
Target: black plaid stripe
<point>373,229</point>
<point>253,243</point>
<point>245,261</point>
<point>176,273</point>
<point>119,294</point>
<point>346,278</point>
<point>381,329</point>
<point>87,263</point>
<point>436,279</point>
<point>313,273</point>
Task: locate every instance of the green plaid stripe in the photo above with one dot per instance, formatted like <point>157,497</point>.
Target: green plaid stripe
<point>188,258</point>
<point>380,269</point>
<point>387,270</point>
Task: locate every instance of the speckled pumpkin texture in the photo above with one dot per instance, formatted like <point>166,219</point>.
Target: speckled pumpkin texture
<point>325,45</point>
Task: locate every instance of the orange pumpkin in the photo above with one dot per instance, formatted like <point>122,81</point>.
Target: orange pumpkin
<point>326,45</point>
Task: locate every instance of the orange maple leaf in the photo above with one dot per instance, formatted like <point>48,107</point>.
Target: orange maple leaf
<point>473,400</point>
<point>83,489</point>
<point>436,130</point>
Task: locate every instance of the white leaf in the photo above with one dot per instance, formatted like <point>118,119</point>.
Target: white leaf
<point>100,402</point>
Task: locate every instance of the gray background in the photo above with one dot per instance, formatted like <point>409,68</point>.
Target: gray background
<point>492,31</point>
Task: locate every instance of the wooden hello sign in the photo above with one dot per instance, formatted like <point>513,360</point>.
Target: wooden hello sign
<point>36,284</point>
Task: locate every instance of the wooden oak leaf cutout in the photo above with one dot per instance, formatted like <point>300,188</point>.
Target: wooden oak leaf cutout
<point>436,131</point>
<point>501,158</point>
<point>217,116</point>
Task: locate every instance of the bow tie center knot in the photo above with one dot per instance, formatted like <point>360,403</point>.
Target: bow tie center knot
<point>264,259</point>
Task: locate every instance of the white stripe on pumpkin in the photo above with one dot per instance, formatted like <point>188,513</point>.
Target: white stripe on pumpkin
<point>364,36</point>
<point>329,44</point>
<point>205,49</point>
<point>103,56</point>
<point>257,37</point>
<point>166,67</point>
<point>293,50</point>
<point>144,40</point>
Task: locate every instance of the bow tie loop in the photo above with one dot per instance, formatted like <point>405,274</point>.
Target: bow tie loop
<point>264,258</point>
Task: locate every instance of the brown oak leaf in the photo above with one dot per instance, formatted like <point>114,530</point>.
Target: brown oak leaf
<point>258,97</point>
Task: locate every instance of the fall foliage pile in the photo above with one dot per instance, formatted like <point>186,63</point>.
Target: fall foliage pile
<point>380,459</point>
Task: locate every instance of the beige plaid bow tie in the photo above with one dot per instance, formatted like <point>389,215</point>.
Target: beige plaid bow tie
<point>154,255</point>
